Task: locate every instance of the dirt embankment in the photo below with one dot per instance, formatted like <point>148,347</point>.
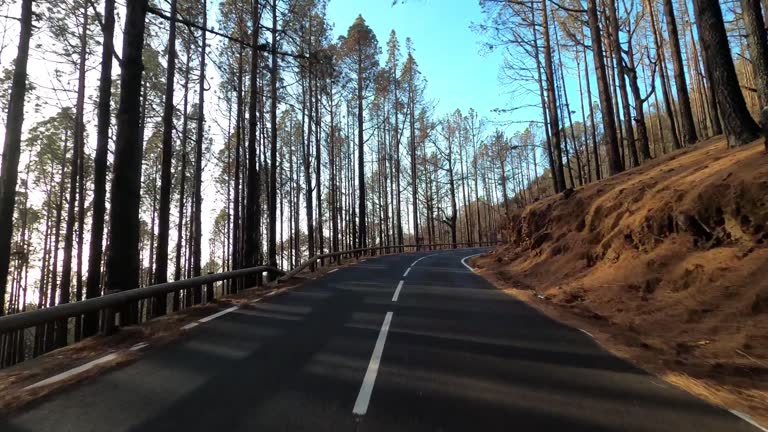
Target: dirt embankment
<point>666,264</point>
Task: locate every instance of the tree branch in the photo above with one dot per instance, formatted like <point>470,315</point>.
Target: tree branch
<point>260,47</point>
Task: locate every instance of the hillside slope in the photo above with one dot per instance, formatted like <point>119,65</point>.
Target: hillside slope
<point>666,264</point>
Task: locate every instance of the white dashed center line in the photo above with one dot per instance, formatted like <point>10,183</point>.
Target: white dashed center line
<point>397,291</point>
<point>364,397</point>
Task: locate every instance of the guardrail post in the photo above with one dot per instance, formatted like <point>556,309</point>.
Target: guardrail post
<point>108,316</point>
<point>209,295</point>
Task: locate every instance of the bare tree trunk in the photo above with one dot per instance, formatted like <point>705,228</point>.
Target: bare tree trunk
<point>77,149</point>
<point>705,105</point>
<point>197,223</point>
<point>50,327</point>
<point>306,158</point>
<point>687,127</point>
<point>504,193</point>
<point>621,72</point>
<point>613,85</point>
<point>739,126</point>
<point>564,90</point>
<point>272,235</point>
<point>96,243</point>
<point>80,240</point>
<point>178,272</point>
<point>152,220</point>
<point>588,164</point>
<point>236,222</point>
<point>757,41</point>
<point>475,156</point>
<point>12,146</point>
<point>362,233</point>
<point>37,347</point>
<point>122,257</point>
<point>642,130</point>
<point>396,145</point>
<point>296,197</point>
<point>544,110</point>
<point>318,172</point>
<point>663,76</point>
<point>714,111</point>
<point>292,211</point>
<point>609,122</point>
<point>464,191</point>
<point>79,114</point>
<point>414,175</point>
<point>593,127</point>
<point>159,303</point>
<point>253,185</point>
<point>332,168</point>
<point>451,220</point>
<point>554,118</point>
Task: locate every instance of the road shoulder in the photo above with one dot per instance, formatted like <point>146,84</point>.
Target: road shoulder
<point>51,373</point>
<point>743,394</point>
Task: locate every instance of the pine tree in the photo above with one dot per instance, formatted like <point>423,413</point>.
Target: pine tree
<point>361,50</point>
<point>123,255</point>
<point>12,146</point>
<point>738,124</point>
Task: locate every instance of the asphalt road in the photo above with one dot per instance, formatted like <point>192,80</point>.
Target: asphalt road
<point>353,352</point>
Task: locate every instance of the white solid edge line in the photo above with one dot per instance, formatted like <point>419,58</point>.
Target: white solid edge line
<point>138,346</point>
<point>397,291</point>
<point>427,256</point>
<point>333,270</point>
<point>586,333</point>
<point>464,261</point>
<point>190,325</point>
<point>748,419</point>
<point>73,371</point>
<point>408,270</point>
<point>364,397</point>
<point>218,314</point>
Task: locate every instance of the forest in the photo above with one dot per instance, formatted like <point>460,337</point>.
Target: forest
<point>183,137</point>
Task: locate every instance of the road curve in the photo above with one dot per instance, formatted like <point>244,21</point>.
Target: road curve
<point>412,342</point>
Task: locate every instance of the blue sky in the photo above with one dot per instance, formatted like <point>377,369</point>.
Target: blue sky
<point>447,50</point>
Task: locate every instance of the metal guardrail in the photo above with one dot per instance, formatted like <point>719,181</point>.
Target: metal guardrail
<point>398,249</point>
<point>24,320</point>
<point>111,302</point>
